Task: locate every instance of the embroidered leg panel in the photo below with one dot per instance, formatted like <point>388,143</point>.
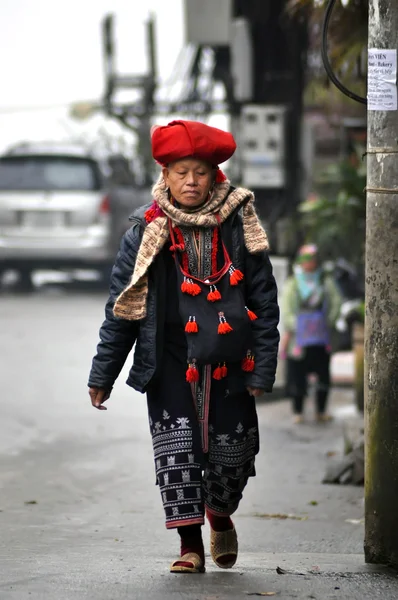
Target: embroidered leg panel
<point>179,476</point>
<point>177,446</point>
<point>233,445</point>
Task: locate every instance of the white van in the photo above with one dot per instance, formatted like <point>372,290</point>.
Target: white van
<point>54,210</point>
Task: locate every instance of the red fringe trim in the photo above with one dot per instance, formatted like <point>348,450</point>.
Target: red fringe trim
<point>224,370</point>
<point>214,250</point>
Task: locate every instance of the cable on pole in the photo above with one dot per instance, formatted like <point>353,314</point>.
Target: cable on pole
<point>325,57</point>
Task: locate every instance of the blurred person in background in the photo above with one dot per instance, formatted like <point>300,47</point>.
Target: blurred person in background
<point>310,305</point>
<point>193,287</point>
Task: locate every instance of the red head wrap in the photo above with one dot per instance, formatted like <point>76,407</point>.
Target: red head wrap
<point>181,139</point>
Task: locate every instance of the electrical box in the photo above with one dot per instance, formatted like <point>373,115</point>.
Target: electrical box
<point>263,146</point>
<point>208,22</point>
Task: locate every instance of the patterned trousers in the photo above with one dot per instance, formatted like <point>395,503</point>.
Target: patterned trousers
<point>204,444</point>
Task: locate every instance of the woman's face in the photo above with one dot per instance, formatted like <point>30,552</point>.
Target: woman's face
<point>309,265</point>
<point>189,180</point>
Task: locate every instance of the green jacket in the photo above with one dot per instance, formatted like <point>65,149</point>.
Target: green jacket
<point>290,307</point>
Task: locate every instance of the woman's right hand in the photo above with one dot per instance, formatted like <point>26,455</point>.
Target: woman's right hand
<point>98,396</point>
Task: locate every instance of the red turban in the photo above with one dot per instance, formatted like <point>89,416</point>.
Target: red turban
<point>180,139</point>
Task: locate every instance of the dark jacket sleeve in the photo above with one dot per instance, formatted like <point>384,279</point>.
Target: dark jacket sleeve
<point>262,298</point>
<point>117,336</point>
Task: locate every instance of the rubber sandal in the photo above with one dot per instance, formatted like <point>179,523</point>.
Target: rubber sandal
<point>298,419</point>
<point>191,557</point>
<point>224,543</point>
<point>324,418</point>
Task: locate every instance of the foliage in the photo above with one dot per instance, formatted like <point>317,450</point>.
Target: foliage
<point>347,42</point>
<point>348,29</point>
<point>335,220</point>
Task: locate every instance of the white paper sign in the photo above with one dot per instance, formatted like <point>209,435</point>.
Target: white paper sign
<point>382,79</point>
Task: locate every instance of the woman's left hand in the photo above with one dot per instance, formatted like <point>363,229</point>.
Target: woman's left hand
<point>256,392</point>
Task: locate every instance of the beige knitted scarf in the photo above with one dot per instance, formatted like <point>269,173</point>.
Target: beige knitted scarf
<point>131,304</point>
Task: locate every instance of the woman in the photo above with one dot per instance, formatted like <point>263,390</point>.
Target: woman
<point>192,286</point>
<point>310,308</point>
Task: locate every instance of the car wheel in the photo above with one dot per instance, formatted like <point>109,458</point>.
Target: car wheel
<point>25,282</point>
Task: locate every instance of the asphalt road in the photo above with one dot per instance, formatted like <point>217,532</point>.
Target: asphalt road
<point>81,517</point>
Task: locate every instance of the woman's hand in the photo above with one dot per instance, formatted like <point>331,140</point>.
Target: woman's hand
<point>98,396</point>
<point>256,392</point>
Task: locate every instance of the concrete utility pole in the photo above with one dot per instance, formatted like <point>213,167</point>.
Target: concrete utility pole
<point>381,328</point>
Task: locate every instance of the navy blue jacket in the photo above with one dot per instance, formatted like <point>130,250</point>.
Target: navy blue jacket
<point>118,336</point>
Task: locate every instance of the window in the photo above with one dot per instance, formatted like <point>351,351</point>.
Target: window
<point>52,173</point>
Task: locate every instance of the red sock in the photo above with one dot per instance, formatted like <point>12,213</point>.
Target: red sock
<point>219,523</point>
<point>191,541</point>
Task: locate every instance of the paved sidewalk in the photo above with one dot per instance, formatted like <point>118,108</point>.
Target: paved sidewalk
<point>81,517</point>
<point>87,536</point>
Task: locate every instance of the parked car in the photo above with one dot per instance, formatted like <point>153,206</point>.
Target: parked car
<point>55,211</point>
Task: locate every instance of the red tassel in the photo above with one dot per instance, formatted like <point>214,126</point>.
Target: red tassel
<point>248,363</point>
<point>150,214</point>
<point>251,314</point>
<point>192,288</point>
<point>217,373</point>
<point>235,276</point>
<point>220,372</point>
<point>223,327</point>
<point>184,286</point>
<point>181,244</point>
<point>192,374</point>
<point>191,326</point>
<point>220,176</point>
<point>177,248</point>
<point>153,212</point>
<point>214,295</point>
<point>251,365</point>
